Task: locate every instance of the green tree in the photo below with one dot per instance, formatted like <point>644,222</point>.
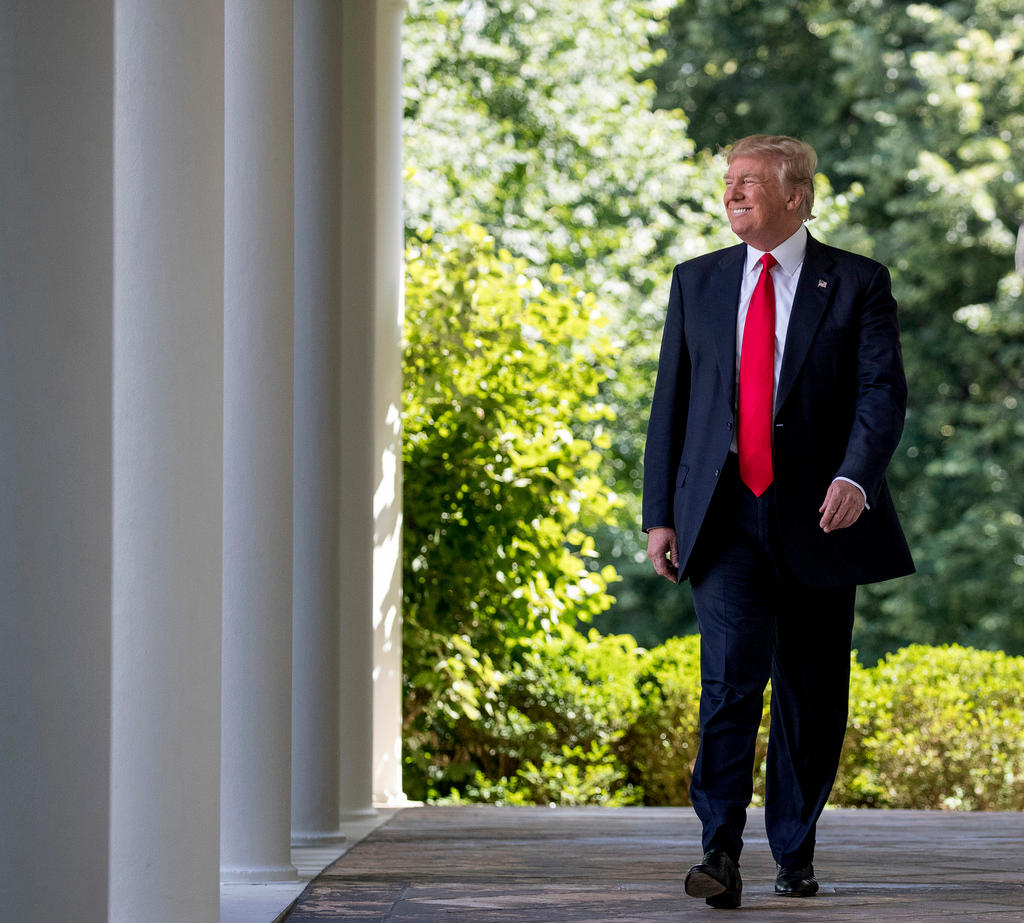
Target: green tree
<point>528,119</point>
<point>501,371</point>
<point>952,217</point>
<point>738,67</point>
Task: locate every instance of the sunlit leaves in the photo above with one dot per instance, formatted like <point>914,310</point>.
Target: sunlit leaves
<point>935,727</point>
<point>502,377</point>
<point>528,119</point>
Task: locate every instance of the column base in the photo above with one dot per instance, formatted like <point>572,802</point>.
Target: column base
<point>361,814</point>
<point>318,838</point>
<point>264,874</point>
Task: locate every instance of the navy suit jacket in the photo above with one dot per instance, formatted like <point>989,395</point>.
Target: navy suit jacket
<point>839,410</point>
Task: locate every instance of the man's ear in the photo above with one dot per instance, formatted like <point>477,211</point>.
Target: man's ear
<point>795,199</point>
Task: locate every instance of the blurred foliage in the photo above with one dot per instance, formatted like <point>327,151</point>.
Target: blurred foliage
<point>528,119</point>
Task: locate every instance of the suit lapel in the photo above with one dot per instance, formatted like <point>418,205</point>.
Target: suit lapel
<point>814,293</point>
<point>724,302</point>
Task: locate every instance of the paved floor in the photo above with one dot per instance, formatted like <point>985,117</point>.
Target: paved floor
<point>514,865</point>
<point>267,902</point>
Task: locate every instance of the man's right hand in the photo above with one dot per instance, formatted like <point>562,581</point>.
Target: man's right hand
<point>663,551</point>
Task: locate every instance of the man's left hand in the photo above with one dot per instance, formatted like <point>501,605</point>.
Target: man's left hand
<point>843,505</point>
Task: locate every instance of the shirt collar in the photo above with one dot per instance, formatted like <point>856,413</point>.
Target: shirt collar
<point>789,254</point>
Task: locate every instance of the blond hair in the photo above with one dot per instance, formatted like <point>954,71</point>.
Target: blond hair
<point>796,161</point>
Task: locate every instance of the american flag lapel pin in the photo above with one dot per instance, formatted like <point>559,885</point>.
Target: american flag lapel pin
<point>822,283</point>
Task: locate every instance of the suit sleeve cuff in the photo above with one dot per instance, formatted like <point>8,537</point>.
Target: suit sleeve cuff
<point>867,505</point>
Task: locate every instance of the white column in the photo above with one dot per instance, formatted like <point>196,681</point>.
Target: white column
<point>387,498</point>
<point>168,267</point>
<point>258,340</point>
<point>358,432</point>
<point>56,292</point>
<point>316,704</point>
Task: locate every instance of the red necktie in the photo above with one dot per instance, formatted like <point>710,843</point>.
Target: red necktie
<point>757,374</point>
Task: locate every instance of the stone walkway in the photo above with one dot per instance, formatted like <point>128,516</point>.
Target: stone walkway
<point>514,865</point>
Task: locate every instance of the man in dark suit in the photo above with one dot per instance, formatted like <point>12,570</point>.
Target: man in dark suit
<point>779,401</point>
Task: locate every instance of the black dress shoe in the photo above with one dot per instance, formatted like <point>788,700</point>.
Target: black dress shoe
<point>796,881</point>
<point>716,879</point>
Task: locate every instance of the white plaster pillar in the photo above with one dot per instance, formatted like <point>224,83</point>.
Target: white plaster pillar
<point>56,379</point>
<point>358,431</point>
<point>316,704</point>
<point>387,497</point>
<point>371,400</point>
<point>258,342</point>
<point>168,268</point>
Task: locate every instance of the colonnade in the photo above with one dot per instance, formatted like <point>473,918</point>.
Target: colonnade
<point>200,313</point>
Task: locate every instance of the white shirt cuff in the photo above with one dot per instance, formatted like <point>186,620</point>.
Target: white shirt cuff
<point>864,493</point>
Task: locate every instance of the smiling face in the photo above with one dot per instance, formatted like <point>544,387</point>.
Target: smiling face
<point>762,211</point>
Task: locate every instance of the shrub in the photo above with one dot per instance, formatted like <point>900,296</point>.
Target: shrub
<point>554,737</point>
<point>660,745</point>
<point>503,439</point>
<point>597,720</point>
<point>937,727</point>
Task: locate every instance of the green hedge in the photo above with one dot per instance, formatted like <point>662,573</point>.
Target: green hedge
<point>597,720</point>
<point>936,727</point>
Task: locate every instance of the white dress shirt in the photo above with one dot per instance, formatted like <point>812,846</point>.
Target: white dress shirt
<point>789,256</point>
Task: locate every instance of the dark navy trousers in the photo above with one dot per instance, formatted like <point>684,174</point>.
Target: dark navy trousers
<point>757,622</point>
